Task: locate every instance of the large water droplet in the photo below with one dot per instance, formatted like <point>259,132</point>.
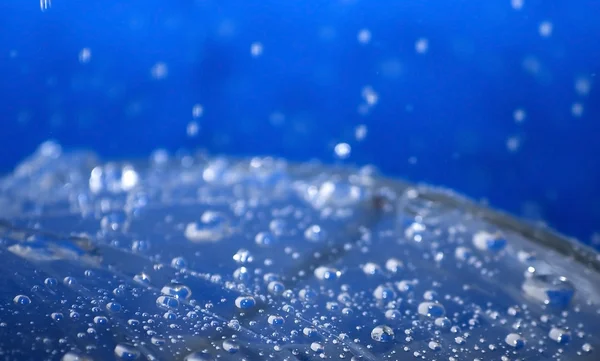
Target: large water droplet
<point>177,290</point>
<point>382,334</point>
<point>314,233</point>
<point>431,309</point>
<point>264,239</point>
<point>22,300</point>
<point>231,346</point>
<point>126,352</point>
<point>213,226</point>
<point>167,302</point>
<point>275,320</point>
<point>486,241</point>
<point>245,302</point>
<point>326,273</point>
<point>550,289</point>
<point>559,335</point>
<point>514,340</point>
<point>384,293</point>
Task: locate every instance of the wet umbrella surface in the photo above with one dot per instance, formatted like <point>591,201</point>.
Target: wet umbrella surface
<point>192,257</point>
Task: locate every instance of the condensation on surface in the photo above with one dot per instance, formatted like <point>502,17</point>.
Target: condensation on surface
<point>202,258</point>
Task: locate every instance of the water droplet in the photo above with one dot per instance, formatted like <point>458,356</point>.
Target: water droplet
<point>371,269</point>
<point>69,281</point>
<point>101,320</point>
<point>364,36</point>
<point>114,222</point>
<point>559,335</point>
<point>307,294</point>
<point>177,290</point>
<point>230,346</point>
<point>442,322</point>
<point>74,356</point>
<point>393,315</point>
<point>314,233</point>
<point>430,295</point>
<point>276,320</point>
<point>213,226</point>
<point>550,289</point>
<point>276,287</point>
<point>406,286</point>
<point>157,341</point>
<point>382,334</point>
<point>463,253</point>
<point>242,274</point>
<point>22,300</point>
<point>384,293</point>
<point>310,332</point>
<point>167,302</point>
<point>113,307</point>
<point>317,347</point>
<point>198,356</point>
<point>142,279</point>
<point>394,265</point>
<point>431,309</point>
<point>326,273</point>
<point>57,316</point>
<point>278,226</point>
<point>264,239</point>
<point>243,256</point>
<point>178,263</point>
<point>486,241</point>
<point>514,340</point>
<point>245,302</point>
<point>435,346</point>
<point>126,352</point>
<point>342,150</point>
<point>51,282</point>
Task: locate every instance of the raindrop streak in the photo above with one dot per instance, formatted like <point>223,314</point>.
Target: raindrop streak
<point>45,4</point>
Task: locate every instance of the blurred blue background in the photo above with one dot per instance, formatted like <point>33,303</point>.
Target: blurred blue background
<point>497,99</point>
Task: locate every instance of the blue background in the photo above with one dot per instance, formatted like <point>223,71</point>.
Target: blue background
<point>450,109</point>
